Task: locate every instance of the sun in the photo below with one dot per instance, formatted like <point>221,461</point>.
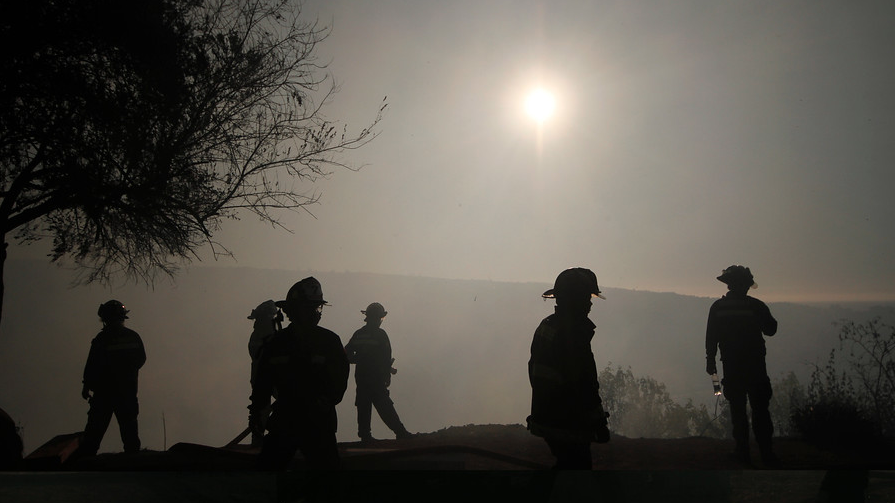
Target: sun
<point>540,105</point>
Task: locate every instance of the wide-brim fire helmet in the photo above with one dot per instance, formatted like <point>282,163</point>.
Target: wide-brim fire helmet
<point>112,310</point>
<point>306,292</point>
<point>375,311</point>
<point>266,310</point>
<point>575,281</point>
<point>737,276</point>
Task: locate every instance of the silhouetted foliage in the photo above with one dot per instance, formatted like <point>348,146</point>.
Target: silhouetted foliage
<point>834,422</point>
<point>130,130</point>
<point>715,424</point>
<point>789,395</point>
<point>871,356</point>
<point>851,401</point>
<point>642,407</point>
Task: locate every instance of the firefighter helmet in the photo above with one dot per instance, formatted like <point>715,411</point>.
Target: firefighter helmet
<point>306,291</point>
<point>112,310</point>
<point>576,280</point>
<point>737,275</point>
<point>375,311</point>
<point>267,310</point>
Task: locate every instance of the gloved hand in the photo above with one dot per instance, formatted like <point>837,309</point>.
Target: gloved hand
<point>710,367</point>
<point>85,392</point>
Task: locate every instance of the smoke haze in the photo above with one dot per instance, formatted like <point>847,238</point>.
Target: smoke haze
<point>461,347</point>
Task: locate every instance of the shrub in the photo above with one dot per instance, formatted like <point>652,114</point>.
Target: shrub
<point>789,395</point>
<point>834,423</point>
<point>642,407</point>
<point>850,402</point>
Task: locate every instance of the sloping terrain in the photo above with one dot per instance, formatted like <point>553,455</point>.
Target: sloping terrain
<point>470,463</point>
<point>484,447</point>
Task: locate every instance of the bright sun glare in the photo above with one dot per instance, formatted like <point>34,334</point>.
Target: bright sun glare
<point>540,104</point>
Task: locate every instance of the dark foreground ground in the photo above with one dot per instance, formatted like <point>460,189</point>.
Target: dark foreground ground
<point>469,463</point>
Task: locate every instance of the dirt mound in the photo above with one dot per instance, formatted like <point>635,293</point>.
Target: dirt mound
<point>467,463</point>
<point>492,447</point>
<point>622,453</point>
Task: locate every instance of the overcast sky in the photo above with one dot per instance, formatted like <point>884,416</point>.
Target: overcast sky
<point>687,136</point>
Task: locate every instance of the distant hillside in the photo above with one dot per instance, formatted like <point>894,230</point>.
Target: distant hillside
<point>461,346</point>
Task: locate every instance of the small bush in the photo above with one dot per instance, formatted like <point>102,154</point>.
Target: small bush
<point>834,424</point>
<point>788,397</point>
<point>849,403</point>
<point>643,407</point>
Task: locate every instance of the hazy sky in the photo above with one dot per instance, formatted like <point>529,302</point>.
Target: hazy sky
<point>687,136</point>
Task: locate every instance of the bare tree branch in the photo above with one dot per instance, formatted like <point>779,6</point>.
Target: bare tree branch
<point>129,131</point>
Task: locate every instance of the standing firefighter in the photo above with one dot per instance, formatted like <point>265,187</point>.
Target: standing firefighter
<point>735,325</point>
<point>370,349</point>
<point>566,408</point>
<point>307,366</point>
<point>266,318</point>
<point>116,356</point>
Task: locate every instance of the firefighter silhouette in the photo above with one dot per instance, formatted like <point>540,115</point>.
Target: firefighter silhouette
<point>267,319</point>
<point>735,325</point>
<point>566,408</point>
<point>371,351</point>
<point>111,374</point>
<point>307,366</point>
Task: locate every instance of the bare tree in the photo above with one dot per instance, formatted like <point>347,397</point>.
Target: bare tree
<point>871,356</point>
<point>852,394</point>
<point>130,130</point>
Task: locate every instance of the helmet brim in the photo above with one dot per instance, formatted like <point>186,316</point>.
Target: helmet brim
<point>284,303</point>
<point>551,294</point>
<point>727,280</point>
